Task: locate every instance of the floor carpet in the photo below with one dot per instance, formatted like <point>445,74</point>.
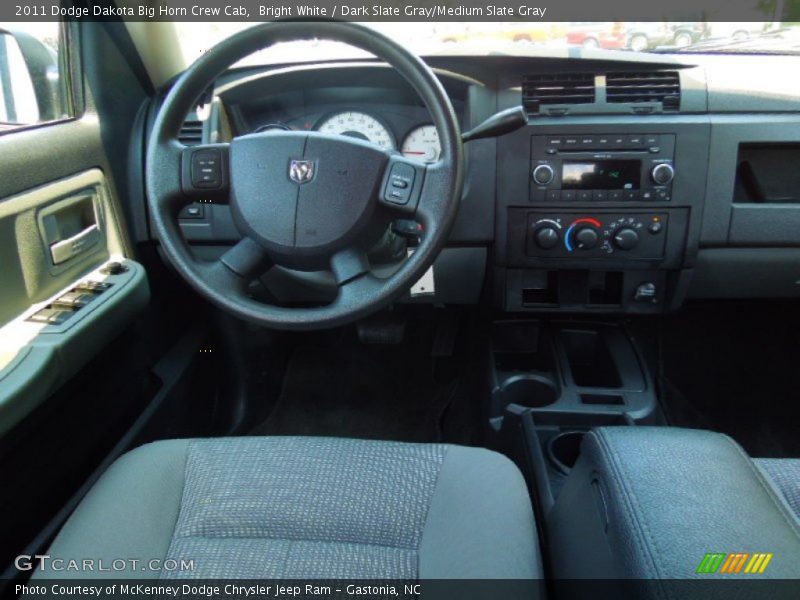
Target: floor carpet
<point>335,385</point>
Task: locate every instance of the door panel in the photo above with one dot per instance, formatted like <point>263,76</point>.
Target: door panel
<point>69,390</point>
<point>62,304</point>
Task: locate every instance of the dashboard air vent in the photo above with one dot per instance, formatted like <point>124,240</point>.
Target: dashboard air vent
<point>566,88</point>
<point>651,86</point>
<point>191,133</point>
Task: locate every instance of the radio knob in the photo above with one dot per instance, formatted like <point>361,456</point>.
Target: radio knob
<point>626,239</point>
<point>547,238</point>
<point>662,174</point>
<point>543,174</point>
<point>586,238</point>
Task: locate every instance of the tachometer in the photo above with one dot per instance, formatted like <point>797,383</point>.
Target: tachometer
<point>273,127</point>
<point>422,144</point>
<point>358,125</point>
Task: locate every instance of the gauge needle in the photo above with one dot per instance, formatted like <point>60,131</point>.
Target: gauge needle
<point>412,152</point>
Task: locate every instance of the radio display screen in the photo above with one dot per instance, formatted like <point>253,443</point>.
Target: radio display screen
<point>601,175</point>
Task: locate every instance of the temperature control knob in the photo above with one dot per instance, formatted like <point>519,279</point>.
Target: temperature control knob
<point>547,238</point>
<point>662,174</point>
<point>586,238</point>
<point>626,239</point>
<point>543,174</point>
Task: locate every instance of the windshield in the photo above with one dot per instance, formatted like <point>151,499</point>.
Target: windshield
<point>473,38</point>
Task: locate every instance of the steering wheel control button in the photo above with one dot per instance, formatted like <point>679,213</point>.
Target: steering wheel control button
<point>543,174</point>
<point>207,169</point>
<point>193,211</point>
<point>400,184</point>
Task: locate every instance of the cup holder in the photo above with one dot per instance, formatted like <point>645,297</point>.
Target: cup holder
<point>529,391</point>
<point>563,450</point>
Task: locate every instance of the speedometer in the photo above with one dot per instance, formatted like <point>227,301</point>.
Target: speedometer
<point>422,144</point>
<point>358,125</point>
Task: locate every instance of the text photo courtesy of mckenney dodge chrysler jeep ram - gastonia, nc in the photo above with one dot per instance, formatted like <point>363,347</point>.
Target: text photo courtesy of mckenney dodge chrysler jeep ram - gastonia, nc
<point>408,307</point>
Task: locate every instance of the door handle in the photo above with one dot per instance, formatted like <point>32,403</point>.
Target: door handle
<point>72,246</point>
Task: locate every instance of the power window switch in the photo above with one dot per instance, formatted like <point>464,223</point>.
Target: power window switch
<point>93,287</point>
<point>74,300</point>
<point>51,316</point>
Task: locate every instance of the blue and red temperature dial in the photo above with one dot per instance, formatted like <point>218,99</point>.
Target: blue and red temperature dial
<point>582,234</point>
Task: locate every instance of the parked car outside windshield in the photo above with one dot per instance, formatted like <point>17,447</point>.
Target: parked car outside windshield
<point>475,38</point>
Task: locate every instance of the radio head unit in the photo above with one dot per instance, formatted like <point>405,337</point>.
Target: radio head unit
<point>602,168</point>
<point>608,174</point>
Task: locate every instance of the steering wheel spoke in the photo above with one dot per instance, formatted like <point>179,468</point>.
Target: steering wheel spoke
<point>247,259</point>
<point>349,264</point>
<point>357,292</point>
<point>167,168</point>
<point>434,195</point>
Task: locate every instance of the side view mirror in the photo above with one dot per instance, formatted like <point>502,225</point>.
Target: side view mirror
<point>29,80</point>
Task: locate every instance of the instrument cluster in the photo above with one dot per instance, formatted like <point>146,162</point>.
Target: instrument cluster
<point>420,142</point>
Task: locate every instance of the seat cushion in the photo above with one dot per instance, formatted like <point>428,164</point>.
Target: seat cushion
<point>784,474</point>
<point>291,507</point>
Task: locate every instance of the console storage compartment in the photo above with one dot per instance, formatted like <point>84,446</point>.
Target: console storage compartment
<point>646,504</point>
<point>546,446</point>
<point>553,381</point>
<point>568,369</point>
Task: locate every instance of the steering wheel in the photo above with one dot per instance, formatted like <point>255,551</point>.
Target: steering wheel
<point>301,199</point>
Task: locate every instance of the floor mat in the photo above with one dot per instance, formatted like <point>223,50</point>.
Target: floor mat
<point>733,368</point>
<point>337,386</point>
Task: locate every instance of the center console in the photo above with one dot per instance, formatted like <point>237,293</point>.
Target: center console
<point>552,381</point>
<point>595,215</point>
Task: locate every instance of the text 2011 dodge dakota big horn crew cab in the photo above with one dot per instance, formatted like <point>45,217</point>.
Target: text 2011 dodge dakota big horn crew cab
<point>400,309</point>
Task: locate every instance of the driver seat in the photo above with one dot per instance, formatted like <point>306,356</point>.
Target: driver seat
<point>301,508</point>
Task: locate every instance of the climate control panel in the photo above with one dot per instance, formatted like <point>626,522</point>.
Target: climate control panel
<point>602,235</point>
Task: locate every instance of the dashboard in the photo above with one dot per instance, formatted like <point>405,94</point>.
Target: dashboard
<point>639,182</point>
<point>387,114</point>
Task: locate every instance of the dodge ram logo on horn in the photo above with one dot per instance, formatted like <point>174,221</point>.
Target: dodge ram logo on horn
<point>301,171</point>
